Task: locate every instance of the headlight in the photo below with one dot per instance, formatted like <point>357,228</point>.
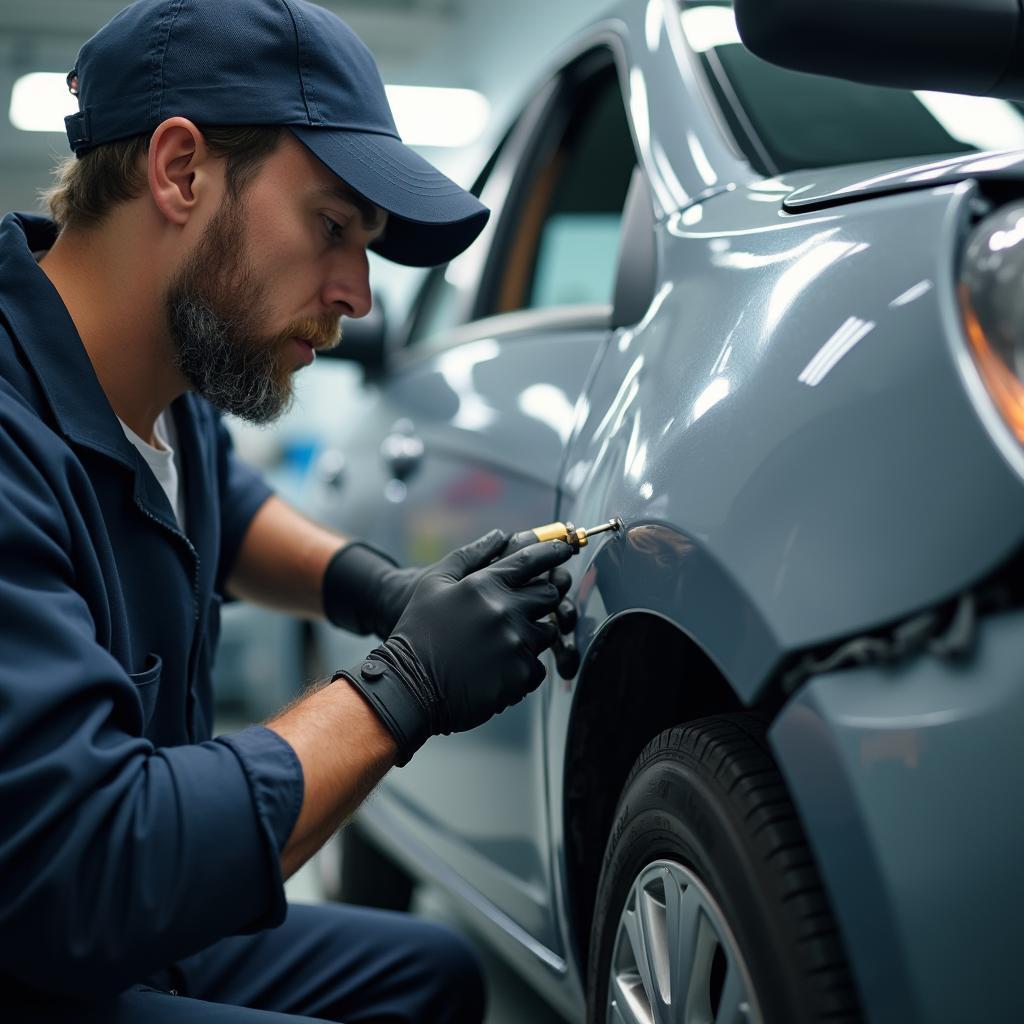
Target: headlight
<point>991,294</point>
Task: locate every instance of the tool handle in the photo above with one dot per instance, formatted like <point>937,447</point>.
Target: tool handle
<point>521,540</point>
<point>550,531</point>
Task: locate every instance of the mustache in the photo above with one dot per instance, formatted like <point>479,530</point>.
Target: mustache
<point>321,333</point>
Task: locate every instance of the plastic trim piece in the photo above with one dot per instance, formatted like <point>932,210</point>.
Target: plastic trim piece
<point>636,275</point>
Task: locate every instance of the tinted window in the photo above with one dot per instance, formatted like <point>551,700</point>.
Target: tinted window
<point>565,242</point>
<point>579,243</point>
<point>437,308</point>
<point>786,120</point>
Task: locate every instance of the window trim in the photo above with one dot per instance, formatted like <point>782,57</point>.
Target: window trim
<point>542,148</point>
<point>506,326</point>
<point>496,192</point>
<point>533,139</point>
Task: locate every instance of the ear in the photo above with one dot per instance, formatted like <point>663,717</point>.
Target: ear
<point>178,167</point>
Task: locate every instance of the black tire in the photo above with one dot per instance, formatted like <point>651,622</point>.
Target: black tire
<point>368,877</point>
<point>708,796</point>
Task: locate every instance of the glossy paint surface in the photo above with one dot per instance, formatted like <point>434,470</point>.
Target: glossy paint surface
<point>473,410</point>
<point>909,776</point>
<point>837,185</point>
<point>799,446</point>
<point>792,422</point>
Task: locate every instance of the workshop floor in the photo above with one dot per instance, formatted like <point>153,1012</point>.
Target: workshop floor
<point>509,1000</point>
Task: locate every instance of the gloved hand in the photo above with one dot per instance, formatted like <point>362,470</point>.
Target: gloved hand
<point>466,647</point>
<point>566,614</point>
<point>364,591</point>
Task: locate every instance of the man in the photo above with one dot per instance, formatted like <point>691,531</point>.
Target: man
<point>200,261</point>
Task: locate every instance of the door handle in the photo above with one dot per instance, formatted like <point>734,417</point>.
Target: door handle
<point>402,453</point>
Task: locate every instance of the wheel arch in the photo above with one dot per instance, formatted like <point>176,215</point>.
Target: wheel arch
<point>621,702</point>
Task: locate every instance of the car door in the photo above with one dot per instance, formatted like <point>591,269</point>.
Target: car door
<point>468,431</point>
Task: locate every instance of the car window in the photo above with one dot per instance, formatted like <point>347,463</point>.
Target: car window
<point>565,243</point>
<point>437,308</point>
<point>787,120</point>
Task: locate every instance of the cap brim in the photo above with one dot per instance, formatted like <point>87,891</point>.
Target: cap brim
<point>431,219</point>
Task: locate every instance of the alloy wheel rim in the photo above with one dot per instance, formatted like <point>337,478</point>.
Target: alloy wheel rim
<point>675,959</point>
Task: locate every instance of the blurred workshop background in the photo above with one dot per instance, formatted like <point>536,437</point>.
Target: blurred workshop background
<point>456,72</point>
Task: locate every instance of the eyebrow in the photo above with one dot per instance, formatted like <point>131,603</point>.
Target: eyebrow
<point>371,216</point>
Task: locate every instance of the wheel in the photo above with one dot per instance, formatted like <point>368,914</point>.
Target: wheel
<point>709,907</point>
<point>368,877</point>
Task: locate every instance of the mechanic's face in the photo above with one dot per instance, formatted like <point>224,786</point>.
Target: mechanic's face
<point>268,283</point>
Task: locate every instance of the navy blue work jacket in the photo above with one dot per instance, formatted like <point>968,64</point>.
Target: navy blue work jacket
<point>128,837</point>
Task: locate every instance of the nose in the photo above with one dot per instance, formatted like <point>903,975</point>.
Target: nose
<point>347,287</point>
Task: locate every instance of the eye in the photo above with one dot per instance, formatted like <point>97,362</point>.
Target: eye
<point>332,227</point>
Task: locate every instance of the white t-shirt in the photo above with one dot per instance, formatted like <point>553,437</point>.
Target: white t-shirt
<point>163,461</point>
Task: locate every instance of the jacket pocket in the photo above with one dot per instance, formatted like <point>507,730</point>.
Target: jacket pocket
<point>147,685</point>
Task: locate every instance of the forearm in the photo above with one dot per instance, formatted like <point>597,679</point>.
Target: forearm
<point>344,751</point>
<point>282,560</point>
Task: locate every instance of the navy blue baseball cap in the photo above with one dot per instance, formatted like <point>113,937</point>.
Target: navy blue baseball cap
<point>271,62</point>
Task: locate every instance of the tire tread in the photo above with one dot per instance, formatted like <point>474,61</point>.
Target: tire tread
<point>734,751</point>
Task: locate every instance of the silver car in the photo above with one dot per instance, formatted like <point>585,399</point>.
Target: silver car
<point>770,320</point>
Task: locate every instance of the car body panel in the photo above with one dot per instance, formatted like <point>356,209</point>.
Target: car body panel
<point>794,435</point>
<point>830,439</point>
<point>493,414</point>
<point>554,976</point>
<point>679,140</point>
<point>843,184</point>
<point>908,774</point>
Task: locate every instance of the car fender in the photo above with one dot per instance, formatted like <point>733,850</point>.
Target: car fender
<point>791,435</point>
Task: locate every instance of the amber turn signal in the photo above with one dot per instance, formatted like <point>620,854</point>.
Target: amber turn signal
<point>1004,387</point>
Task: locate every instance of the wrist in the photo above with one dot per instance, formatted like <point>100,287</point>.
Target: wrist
<point>399,694</point>
<point>351,585</point>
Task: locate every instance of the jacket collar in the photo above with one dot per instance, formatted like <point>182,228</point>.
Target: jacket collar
<point>47,335</point>
<point>43,329</point>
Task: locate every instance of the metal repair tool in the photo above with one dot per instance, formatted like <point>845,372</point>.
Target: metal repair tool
<point>574,536</point>
<point>567,658</point>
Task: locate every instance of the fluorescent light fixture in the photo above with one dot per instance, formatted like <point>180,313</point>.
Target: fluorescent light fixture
<point>40,102</point>
<point>708,27</point>
<point>425,116</point>
<point>982,121</point>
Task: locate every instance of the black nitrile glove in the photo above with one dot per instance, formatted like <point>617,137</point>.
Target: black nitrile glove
<point>466,647</point>
<point>364,591</point>
<point>565,614</point>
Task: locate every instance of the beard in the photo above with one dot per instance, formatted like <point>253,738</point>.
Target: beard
<point>215,307</point>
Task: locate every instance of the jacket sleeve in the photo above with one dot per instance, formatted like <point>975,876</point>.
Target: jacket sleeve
<point>115,858</point>
<point>242,491</point>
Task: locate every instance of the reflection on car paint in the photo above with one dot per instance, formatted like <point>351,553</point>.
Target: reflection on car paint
<point>913,293</point>
<point>853,331</point>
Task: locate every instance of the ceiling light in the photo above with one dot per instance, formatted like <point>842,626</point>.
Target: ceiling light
<point>428,116</point>
<point>982,121</point>
<point>40,102</point>
<point>425,116</point>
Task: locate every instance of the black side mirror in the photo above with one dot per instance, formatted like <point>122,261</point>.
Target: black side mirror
<point>364,340</point>
<point>970,46</point>
<point>637,271</point>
